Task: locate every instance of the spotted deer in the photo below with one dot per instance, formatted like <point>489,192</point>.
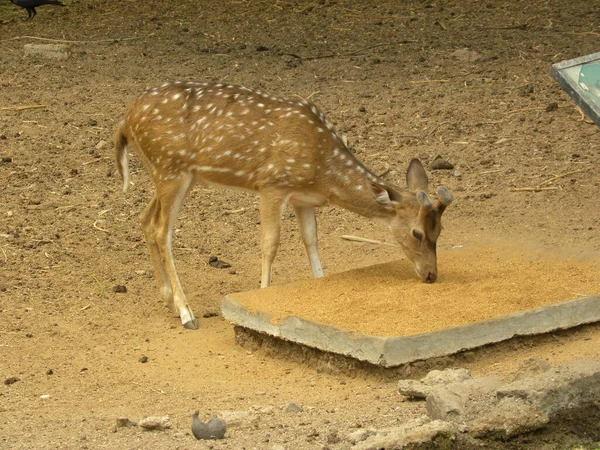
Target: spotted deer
<point>286,150</point>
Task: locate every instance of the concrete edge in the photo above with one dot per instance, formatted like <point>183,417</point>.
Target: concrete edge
<point>235,313</point>
<point>394,351</point>
<point>400,350</point>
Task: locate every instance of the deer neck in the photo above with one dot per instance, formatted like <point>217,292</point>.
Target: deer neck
<point>352,191</point>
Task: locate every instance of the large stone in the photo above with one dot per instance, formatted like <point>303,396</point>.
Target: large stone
<point>435,378</point>
<point>530,367</point>
<point>449,402</point>
<point>510,417</point>
<point>441,435</point>
<point>560,388</point>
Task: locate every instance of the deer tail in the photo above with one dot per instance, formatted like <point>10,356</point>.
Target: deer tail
<point>121,155</point>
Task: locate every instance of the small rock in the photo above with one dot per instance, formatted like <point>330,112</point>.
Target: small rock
<point>360,435</point>
<point>235,418</point>
<point>440,163</point>
<point>552,107</point>
<point>214,428</point>
<point>217,263</point>
<point>362,109</point>
<point>155,423</point>
<point>124,422</point>
<point>100,145</point>
<point>333,437</point>
<point>143,359</point>
<point>209,314</point>
<point>11,380</point>
<point>261,48</point>
<point>466,55</point>
<point>45,396</point>
<point>49,372</point>
<point>293,408</point>
<point>435,378</point>
<point>92,123</point>
<point>6,159</point>
<point>435,434</point>
<point>120,289</point>
<point>526,90</point>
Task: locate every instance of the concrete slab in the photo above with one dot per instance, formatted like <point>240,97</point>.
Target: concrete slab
<point>298,312</point>
<point>394,351</point>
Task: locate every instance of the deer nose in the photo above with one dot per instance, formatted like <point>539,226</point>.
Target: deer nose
<point>431,276</point>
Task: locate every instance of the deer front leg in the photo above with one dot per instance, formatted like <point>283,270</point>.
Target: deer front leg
<point>271,207</point>
<point>307,223</point>
<point>169,199</point>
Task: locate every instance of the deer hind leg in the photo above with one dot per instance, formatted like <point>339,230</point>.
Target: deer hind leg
<point>150,219</point>
<point>307,223</point>
<point>271,207</point>
<point>158,229</point>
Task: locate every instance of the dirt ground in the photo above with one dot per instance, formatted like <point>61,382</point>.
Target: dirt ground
<point>468,80</point>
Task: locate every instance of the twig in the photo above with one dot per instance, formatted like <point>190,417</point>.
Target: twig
<point>66,41</point>
<point>21,108</point>
<point>94,161</point>
<point>429,81</point>
<point>354,53</point>
<point>100,285</point>
<point>536,108</point>
<point>361,239</point>
<point>86,307</point>
<point>234,211</point>
<point>549,180</point>
<point>535,189</point>
<point>4,252</point>
<point>98,228</point>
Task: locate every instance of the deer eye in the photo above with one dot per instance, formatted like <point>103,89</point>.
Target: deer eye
<point>417,234</point>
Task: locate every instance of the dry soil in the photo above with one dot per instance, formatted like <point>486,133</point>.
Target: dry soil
<point>468,80</point>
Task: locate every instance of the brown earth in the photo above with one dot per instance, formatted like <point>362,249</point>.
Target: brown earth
<point>468,80</point>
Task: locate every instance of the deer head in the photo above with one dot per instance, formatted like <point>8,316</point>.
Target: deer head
<point>416,224</point>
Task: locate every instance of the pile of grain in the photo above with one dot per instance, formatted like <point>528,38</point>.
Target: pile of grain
<point>388,300</point>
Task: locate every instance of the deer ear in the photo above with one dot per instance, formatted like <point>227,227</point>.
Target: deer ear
<point>383,195</point>
<point>416,178</point>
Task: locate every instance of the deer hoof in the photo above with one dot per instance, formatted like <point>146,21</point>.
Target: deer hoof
<point>191,325</point>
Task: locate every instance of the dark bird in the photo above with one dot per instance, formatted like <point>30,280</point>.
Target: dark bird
<point>213,429</point>
<point>30,5</point>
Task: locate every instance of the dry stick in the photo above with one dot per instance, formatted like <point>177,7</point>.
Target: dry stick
<point>536,108</point>
<point>100,229</point>
<point>21,108</point>
<point>94,161</point>
<point>429,81</point>
<point>100,285</point>
<point>66,41</point>
<point>354,53</point>
<point>535,189</point>
<point>562,175</point>
<point>361,239</point>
